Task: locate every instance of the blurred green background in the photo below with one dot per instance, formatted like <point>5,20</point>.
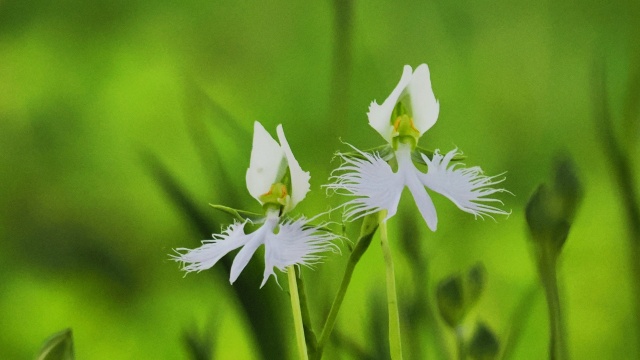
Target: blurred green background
<point>121,120</point>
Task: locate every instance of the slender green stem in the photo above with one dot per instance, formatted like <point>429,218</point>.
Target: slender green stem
<point>395,343</point>
<point>557,343</point>
<point>297,314</point>
<point>309,335</point>
<point>462,355</point>
<point>369,227</point>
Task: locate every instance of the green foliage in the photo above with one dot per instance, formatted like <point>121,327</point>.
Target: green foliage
<point>58,347</point>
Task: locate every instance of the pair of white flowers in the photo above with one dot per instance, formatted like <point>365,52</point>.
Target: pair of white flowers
<point>277,181</point>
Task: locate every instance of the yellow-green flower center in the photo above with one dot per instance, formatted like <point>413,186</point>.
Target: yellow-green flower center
<point>277,196</point>
<point>404,131</point>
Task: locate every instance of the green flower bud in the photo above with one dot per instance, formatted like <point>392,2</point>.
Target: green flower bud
<point>457,294</point>
<point>483,345</point>
<point>551,210</point>
<point>450,299</point>
<point>59,347</point>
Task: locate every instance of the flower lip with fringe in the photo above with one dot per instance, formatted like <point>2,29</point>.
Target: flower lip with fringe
<point>275,179</point>
<point>410,110</point>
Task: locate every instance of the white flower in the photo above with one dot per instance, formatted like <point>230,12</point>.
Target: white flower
<point>269,163</point>
<point>403,117</point>
<point>287,242</point>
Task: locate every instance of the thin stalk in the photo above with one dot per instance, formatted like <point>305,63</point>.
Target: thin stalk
<point>309,335</point>
<point>297,314</point>
<point>369,227</point>
<point>395,343</point>
<point>557,343</point>
<point>462,355</point>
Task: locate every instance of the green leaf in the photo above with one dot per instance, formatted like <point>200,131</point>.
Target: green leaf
<point>238,214</point>
<point>484,345</point>
<point>58,347</point>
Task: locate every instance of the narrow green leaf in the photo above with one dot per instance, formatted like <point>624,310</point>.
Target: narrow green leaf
<point>267,317</point>
<point>240,215</point>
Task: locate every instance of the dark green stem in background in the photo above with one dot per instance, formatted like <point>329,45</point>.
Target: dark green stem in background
<point>343,20</point>
<point>419,311</point>
<point>623,172</point>
<point>369,227</point>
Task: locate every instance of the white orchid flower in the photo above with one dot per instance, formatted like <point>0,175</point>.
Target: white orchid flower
<point>401,119</point>
<point>275,179</point>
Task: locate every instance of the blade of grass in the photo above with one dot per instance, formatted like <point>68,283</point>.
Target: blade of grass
<point>519,318</point>
<point>262,307</point>
<point>623,171</point>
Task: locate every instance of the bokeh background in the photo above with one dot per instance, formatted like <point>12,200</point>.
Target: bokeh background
<point>120,121</point>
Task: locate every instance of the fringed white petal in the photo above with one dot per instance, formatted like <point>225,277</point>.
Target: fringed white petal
<point>257,238</point>
<point>371,181</point>
<point>468,188</point>
<point>268,164</point>
<point>412,180</point>
<point>380,115</point>
<point>211,251</point>
<point>422,104</point>
<point>299,178</point>
<point>297,243</point>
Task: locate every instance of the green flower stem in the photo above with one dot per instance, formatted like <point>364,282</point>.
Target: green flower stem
<point>462,355</point>
<point>395,344</point>
<point>548,274</point>
<point>309,335</point>
<point>297,314</point>
<point>368,229</point>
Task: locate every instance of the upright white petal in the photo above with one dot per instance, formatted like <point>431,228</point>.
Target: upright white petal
<point>380,115</point>
<point>468,188</point>
<point>412,179</point>
<point>211,251</point>
<point>297,243</point>
<point>422,103</point>
<point>257,238</point>
<point>299,178</point>
<point>268,163</point>
<point>371,181</point>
